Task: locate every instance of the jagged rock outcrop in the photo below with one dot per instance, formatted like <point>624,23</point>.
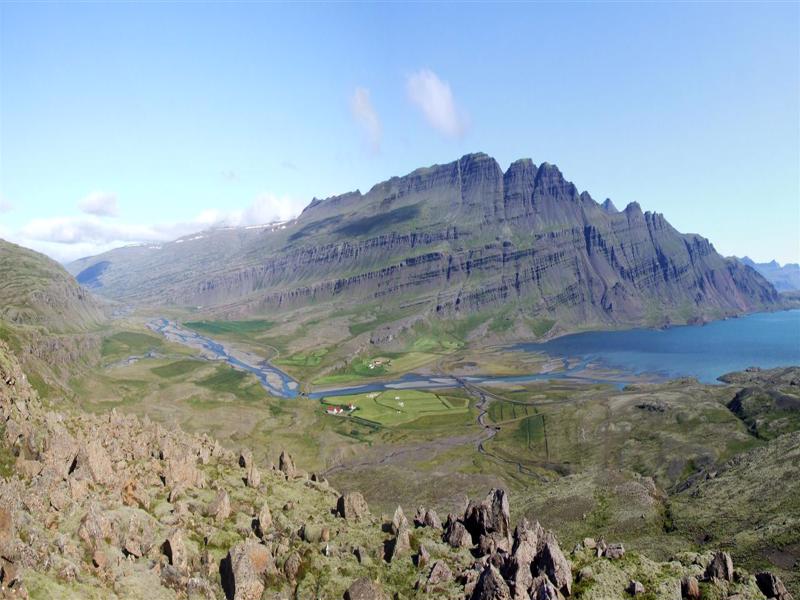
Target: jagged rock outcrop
<point>243,569</point>
<point>772,587</point>
<point>123,533</point>
<point>491,586</point>
<point>352,506</point>
<point>720,567</point>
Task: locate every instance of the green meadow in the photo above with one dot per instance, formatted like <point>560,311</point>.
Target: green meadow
<point>391,408</point>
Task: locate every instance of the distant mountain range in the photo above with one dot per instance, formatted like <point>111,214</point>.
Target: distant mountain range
<point>785,278</point>
<point>522,251</point>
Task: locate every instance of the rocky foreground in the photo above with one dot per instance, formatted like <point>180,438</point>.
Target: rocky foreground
<point>110,506</point>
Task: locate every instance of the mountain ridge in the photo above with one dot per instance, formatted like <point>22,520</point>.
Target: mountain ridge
<point>785,278</point>
<point>457,239</point>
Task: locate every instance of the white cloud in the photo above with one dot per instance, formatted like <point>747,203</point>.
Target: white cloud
<point>69,238</point>
<point>366,117</point>
<point>5,205</point>
<point>435,99</point>
<point>102,204</point>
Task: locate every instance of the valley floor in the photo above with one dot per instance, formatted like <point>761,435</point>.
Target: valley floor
<point>661,466</point>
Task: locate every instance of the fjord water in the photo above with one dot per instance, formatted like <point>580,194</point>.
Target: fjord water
<point>706,352</point>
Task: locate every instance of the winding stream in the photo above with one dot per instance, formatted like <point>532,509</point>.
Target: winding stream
<point>763,339</point>
<point>281,384</point>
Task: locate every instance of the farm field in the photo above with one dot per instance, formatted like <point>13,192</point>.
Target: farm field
<point>391,408</point>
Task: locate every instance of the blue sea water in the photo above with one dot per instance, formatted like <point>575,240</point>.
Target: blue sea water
<point>706,352</point>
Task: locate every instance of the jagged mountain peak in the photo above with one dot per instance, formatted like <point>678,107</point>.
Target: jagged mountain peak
<point>429,237</point>
<point>609,206</point>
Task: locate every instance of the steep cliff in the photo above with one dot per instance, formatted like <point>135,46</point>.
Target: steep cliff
<point>46,316</point>
<point>451,240</point>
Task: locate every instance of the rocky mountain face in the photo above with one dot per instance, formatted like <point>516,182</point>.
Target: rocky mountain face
<point>785,278</point>
<point>110,506</point>
<point>37,291</point>
<point>46,316</point>
<point>450,240</point>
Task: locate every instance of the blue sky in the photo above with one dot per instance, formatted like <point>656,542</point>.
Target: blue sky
<point>123,122</point>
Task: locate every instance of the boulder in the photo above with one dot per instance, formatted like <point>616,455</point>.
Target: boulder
<point>457,535</point>
<point>419,517</point>
<point>61,451</point>
<point>137,537</point>
<point>541,588</point>
<point>291,566</point>
<point>94,460</point>
<point>527,541</point>
<point>220,507</point>
<point>361,555</point>
<point>491,586</point>
<point>352,506</point>
<point>690,589</point>
<point>398,520</point>
<point>7,533</point>
<point>432,519</point>
<point>720,567</point>
<point>95,527</point>
<point>771,586</point>
<point>174,548</point>
<point>10,580</point>
<point>554,564</point>
<point>492,515</point>
<point>423,557</point>
<point>635,588</point>
<point>286,465</point>
<point>312,533</point>
<point>253,478</point>
<point>427,518</point>
<point>173,578</point>
<point>180,474</point>
<point>492,543</point>
<point>242,571</point>
<point>264,520</point>
<point>439,577</point>
<point>365,589</point>
<point>198,588</point>
<point>245,458</point>
<point>401,545</point>
<point>612,551</point>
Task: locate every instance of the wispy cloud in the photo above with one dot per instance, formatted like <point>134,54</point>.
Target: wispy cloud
<point>266,208</point>
<point>435,99</point>
<point>103,204</point>
<point>70,238</point>
<point>367,118</point>
<point>5,205</point>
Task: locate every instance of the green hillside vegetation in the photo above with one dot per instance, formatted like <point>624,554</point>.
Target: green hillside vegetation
<point>230,327</point>
<point>36,290</point>
<point>53,324</point>
<point>589,459</point>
